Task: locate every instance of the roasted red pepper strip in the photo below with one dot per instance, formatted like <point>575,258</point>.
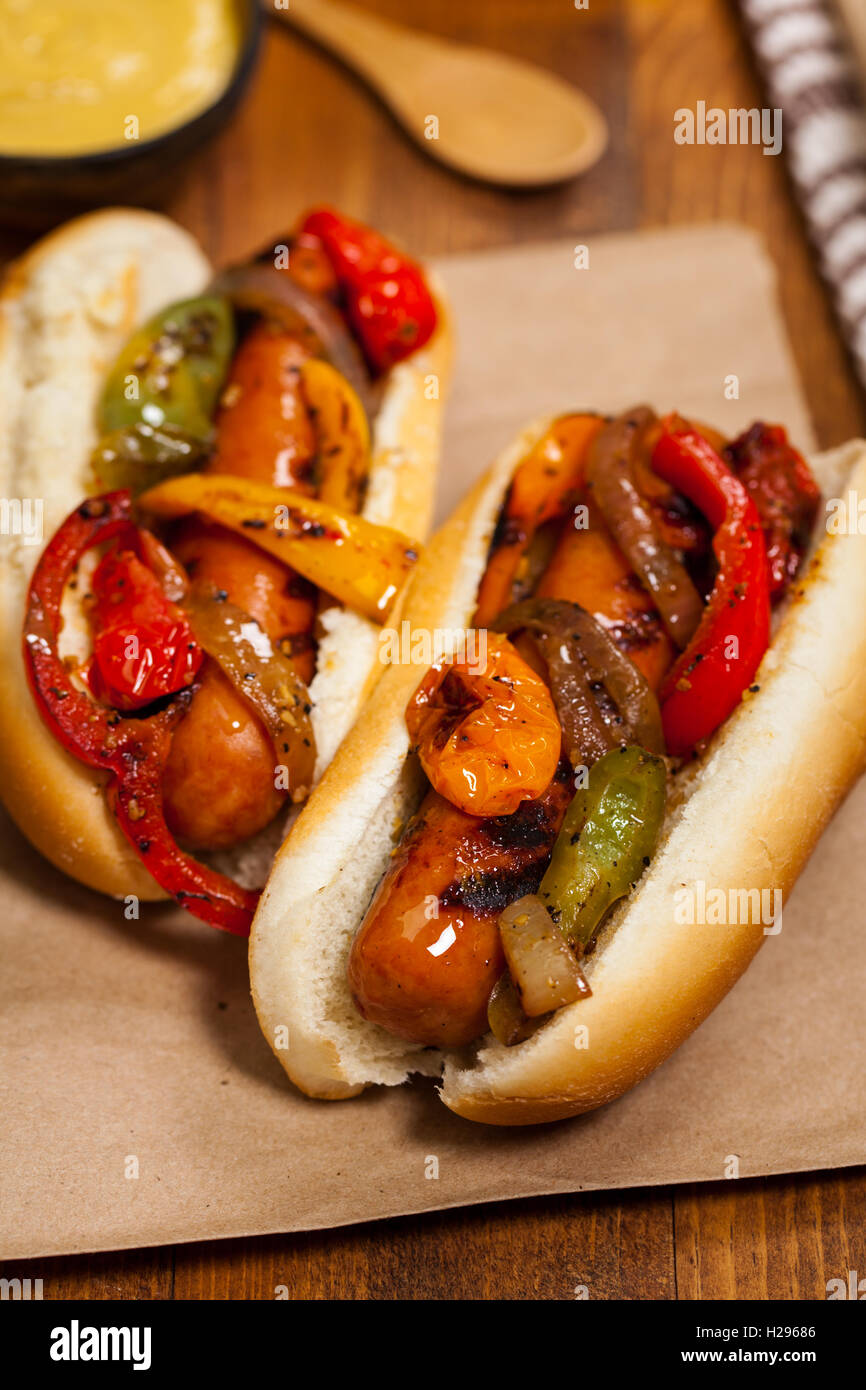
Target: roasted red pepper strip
<point>387,299</point>
<point>706,683</point>
<point>132,751</point>
<point>785,493</point>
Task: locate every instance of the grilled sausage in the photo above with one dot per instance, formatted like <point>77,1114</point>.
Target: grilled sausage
<point>219,785</point>
<point>428,952</point>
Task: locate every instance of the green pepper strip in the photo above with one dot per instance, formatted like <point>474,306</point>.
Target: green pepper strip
<point>607,839</point>
<point>177,361</point>
<point>140,456</point>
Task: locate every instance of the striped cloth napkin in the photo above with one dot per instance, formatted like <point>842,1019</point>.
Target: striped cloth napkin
<point>806,50</point>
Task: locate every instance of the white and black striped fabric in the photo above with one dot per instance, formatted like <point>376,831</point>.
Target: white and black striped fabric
<point>811,73</point>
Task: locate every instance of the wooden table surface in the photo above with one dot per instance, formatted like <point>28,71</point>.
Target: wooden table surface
<point>308,132</point>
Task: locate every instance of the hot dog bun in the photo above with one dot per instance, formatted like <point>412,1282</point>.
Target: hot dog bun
<point>66,308</point>
<point>746,816</point>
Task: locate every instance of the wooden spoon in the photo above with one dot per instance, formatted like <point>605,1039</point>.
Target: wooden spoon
<point>492,117</point>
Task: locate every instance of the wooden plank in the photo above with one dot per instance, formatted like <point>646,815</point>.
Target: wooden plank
<point>770,1238</point>
<point>136,1274</point>
<point>614,1247</point>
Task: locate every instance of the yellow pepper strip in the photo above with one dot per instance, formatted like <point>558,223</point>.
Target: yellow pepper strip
<point>342,435</point>
<point>359,563</point>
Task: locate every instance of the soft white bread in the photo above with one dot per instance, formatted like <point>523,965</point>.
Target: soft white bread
<point>66,309</point>
<point>746,817</point>
<point>401,491</point>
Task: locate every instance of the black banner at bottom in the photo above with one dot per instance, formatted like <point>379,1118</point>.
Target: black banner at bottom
<point>83,1339</point>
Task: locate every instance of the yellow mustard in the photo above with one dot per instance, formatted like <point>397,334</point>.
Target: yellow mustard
<point>78,76</point>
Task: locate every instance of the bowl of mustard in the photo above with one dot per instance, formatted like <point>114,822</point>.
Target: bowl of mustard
<point>104,100</point>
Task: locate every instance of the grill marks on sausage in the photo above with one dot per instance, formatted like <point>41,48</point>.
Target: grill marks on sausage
<point>520,843</point>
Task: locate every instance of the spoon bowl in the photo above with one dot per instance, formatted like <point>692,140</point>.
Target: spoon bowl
<point>492,117</point>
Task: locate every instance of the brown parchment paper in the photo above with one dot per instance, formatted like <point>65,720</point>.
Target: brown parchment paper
<point>131,1047</point>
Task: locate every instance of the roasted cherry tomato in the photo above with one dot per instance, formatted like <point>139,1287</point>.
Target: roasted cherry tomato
<point>143,648</point>
<point>487,734</point>
<point>387,299</point>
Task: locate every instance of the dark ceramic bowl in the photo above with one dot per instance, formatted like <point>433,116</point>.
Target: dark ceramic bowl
<point>39,192</point>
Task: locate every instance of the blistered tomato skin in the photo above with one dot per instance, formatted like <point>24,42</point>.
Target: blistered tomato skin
<point>387,299</point>
<point>486,732</point>
<point>143,648</point>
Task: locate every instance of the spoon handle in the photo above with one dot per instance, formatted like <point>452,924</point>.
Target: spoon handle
<point>372,46</point>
